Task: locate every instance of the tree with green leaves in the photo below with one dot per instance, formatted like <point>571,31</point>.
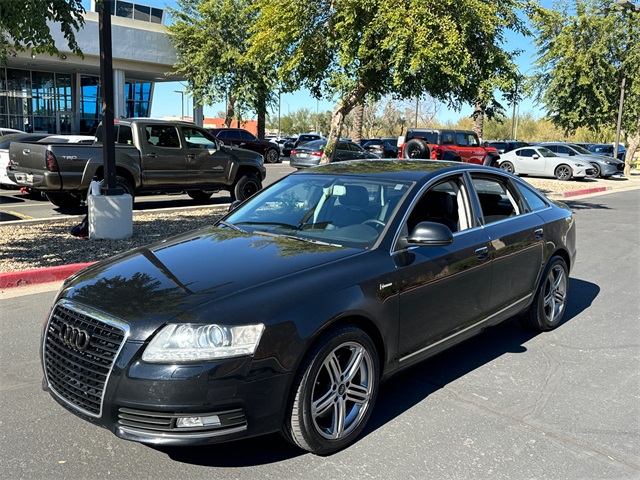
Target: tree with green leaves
<point>356,49</point>
<point>586,53</point>
<point>211,38</point>
<point>23,26</point>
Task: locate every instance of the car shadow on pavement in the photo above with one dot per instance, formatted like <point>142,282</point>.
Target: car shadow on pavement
<point>397,395</point>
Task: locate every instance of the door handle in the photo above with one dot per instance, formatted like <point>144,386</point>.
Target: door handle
<point>152,155</point>
<point>482,253</point>
<point>26,151</point>
<point>191,157</point>
<point>538,233</point>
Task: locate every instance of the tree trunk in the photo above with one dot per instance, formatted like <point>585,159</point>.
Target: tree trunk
<point>341,110</point>
<point>262,114</point>
<point>632,146</point>
<point>356,132</point>
<point>478,120</point>
<point>230,111</point>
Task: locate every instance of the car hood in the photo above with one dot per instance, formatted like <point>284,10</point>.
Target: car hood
<point>154,284</point>
<point>594,157</point>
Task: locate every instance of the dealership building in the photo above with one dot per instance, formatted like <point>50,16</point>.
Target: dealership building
<point>61,93</point>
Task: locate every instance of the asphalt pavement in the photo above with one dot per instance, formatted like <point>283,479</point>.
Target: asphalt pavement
<point>508,404</point>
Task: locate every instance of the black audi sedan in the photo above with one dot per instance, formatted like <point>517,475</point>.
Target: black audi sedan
<point>287,314</point>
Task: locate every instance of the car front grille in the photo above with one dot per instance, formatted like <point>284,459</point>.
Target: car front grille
<point>620,167</point>
<point>78,355</point>
<point>153,422</point>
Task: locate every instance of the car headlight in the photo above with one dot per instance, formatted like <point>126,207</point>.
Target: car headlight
<point>610,163</point>
<point>188,342</point>
<point>580,164</point>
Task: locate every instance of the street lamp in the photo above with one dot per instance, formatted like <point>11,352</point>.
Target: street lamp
<point>625,6</point>
<point>181,92</point>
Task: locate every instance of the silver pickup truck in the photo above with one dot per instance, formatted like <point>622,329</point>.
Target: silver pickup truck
<point>152,156</point>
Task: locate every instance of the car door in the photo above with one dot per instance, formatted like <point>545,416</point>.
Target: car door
<point>164,159</point>
<point>443,290</point>
<point>530,161</point>
<point>516,241</point>
<point>206,163</point>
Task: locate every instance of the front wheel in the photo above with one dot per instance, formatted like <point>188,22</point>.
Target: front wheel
<point>334,393</point>
<point>597,171</point>
<point>563,172</point>
<point>507,167</point>
<point>550,302</point>
<point>246,186</point>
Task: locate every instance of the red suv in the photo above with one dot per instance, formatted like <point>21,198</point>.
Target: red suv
<point>439,144</point>
<point>238,137</point>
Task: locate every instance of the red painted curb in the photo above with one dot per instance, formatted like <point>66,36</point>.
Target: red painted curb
<point>40,275</point>
<point>585,191</point>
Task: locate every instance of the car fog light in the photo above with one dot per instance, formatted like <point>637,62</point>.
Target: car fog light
<point>189,422</point>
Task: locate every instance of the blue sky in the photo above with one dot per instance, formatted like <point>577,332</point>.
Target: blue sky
<point>168,103</point>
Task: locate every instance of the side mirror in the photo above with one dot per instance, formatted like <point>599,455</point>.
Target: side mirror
<point>430,233</point>
<point>535,156</point>
<point>235,204</point>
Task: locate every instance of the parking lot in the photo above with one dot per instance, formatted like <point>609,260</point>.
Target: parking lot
<point>508,404</point>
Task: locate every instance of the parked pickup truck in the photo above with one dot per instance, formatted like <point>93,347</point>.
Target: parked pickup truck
<point>152,156</point>
<point>440,144</point>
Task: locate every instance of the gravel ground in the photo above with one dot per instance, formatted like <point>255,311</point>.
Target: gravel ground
<point>47,244</point>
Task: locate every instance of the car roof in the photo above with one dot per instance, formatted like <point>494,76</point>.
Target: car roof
<point>411,170</point>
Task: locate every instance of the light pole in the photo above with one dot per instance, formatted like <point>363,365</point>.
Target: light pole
<point>624,6</point>
<point>181,92</point>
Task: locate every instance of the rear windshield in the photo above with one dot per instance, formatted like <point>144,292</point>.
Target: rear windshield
<point>429,136</point>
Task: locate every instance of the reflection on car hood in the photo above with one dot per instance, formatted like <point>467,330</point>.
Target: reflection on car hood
<point>165,279</point>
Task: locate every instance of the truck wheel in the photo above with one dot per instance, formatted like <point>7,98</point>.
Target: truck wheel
<point>122,183</point>
<point>272,156</point>
<point>416,148</point>
<point>246,186</point>
<point>64,199</point>
<point>199,195</point>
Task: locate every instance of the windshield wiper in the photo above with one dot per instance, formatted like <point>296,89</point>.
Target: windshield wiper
<point>276,224</point>
<point>231,226</point>
<point>300,239</point>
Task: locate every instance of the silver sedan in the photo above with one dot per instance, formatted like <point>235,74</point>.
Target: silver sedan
<point>542,162</point>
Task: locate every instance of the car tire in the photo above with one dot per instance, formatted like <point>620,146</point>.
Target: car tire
<point>246,186</point>
<point>597,171</point>
<point>508,167</point>
<point>416,148</point>
<point>121,183</point>
<point>199,195</point>
<point>272,155</point>
<point>563,172</point>
<point>64,199</point>
<point>334,392</point>
<point>550,302</point>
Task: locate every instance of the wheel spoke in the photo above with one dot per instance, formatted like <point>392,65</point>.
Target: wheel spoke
<point>340,413</point>
<point>332,366</point>
<point>355,363</point>
<point>320,406</point>
<point>358,393</point>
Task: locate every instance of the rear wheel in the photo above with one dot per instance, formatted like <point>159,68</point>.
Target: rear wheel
<point>199,195</point>
<point>64,199</point>
<point>416,148</point>
<point>334,393</point>
<point>121,183</point>
<point>563,172</point>
<point>550,302</point>
<point>272,156</point>
<point>246,186</point>
<point>507,167</point>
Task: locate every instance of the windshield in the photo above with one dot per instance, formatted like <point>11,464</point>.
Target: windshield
<point>545,152</point>
<point>336,210</point>
<point>581,150</point>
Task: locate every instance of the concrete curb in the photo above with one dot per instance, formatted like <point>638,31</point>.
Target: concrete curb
<point>584,191</point>
<point>39,275</point>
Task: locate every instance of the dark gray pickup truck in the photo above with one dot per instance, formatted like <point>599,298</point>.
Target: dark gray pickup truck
<point>152,156</point>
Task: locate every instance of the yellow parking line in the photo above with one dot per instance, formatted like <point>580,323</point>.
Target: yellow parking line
<point>19,215</point>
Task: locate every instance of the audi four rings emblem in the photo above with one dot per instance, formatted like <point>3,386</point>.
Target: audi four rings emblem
<point>74,337</point>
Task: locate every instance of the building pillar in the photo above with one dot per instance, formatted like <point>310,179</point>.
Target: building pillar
<point>119,105</point>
